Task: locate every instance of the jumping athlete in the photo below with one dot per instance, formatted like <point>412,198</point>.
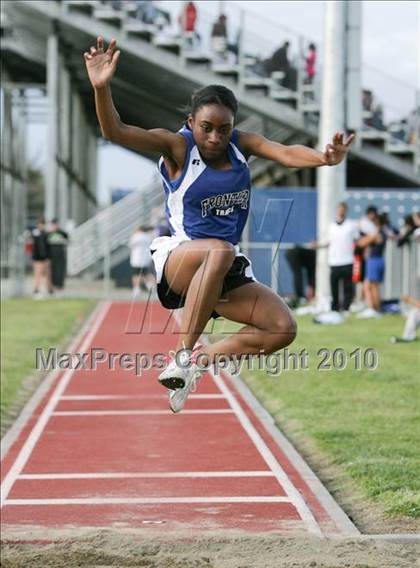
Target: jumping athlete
<point>207,186</point>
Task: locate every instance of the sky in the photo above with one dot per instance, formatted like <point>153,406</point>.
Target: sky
<point>390,56</point>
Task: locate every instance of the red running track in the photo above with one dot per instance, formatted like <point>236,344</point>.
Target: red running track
<point>102,449</point>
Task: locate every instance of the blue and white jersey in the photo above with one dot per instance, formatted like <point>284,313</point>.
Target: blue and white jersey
<point>204,202</point>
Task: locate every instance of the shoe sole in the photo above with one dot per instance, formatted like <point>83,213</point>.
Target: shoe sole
<point>172,383</point>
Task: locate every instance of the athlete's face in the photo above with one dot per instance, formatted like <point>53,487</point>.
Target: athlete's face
<point>212,128</point>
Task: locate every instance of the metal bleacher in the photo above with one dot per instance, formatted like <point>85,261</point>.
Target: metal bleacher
<point>158,70</point>
<point>160,67</point>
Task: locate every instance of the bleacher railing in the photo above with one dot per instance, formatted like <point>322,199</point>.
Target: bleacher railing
<point>111,228</point>
<point>395,137</point>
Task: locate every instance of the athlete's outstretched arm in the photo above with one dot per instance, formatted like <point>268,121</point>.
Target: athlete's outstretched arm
<point>101,65</point>
<point>296,156</point>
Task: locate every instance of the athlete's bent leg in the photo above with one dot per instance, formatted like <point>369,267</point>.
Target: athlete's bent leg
<point>197,269</point>
<point>270,324</point>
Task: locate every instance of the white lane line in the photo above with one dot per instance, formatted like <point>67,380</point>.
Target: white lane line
<point>137,397</point>
<point>37,430</point>
<point>145,500</point>
<point>144,475</point>
<point>14,432</point>
<point>293,494</point>
<point>138,412</point>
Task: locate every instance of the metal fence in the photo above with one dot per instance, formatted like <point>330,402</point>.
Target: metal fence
<point>402,267</point>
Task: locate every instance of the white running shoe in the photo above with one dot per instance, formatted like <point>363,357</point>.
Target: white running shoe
<point>178,370</point>
<point>369,313</point>
<point>332,318</point>
<point>178,397</point>
<point>180,377</point>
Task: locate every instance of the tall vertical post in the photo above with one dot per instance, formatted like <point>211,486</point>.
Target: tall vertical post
<point>92,169</point>
<point>20,197</point>
<point>51,185</point>
<point>6,181</point>
<point>353,100</point>
<point>241,49</point>
<point>330,180</point>
<point>75,192</point>
<point>65,144</point>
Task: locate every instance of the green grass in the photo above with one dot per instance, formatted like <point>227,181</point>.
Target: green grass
<point>25,325</point>
<point>365,421</point>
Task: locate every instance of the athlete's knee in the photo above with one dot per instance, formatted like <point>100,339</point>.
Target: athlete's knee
<point>283,331</point>
<point>221,255</point>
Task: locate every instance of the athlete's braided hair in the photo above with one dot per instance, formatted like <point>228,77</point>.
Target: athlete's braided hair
<point>213,94</point>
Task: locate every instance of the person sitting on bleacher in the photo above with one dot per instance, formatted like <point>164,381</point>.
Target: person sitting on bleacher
<point>310,61</point>
<point>219,36</point>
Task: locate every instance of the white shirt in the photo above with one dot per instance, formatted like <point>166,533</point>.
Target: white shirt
<point>139,244</point>
<point>367,226</point>
<point>341,238</point>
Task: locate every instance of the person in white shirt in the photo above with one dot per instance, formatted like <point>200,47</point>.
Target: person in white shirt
<point>341,237</point>
<point>342,234</point>
<point>140,258</point>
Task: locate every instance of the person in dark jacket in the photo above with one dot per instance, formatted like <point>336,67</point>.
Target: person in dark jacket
<point>57,240</point>
<point>40,258</point>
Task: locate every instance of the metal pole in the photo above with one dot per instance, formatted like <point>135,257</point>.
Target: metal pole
<point>353,79</point>
<point>241,50</point>
<point>65,142</point>
<point>330,180</point>
<point>92,171</point>
<point>106,222</point>
<point>21,212</point>
<point>75,158</point>
<point>51,186</point>
<point>6,182</point>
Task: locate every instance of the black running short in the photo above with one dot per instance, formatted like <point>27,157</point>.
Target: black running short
<point>234,278</point>
<point>140,270</point>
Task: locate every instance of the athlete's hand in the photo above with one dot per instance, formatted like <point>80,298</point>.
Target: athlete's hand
<point>101,64</point>
<point>336,152</point>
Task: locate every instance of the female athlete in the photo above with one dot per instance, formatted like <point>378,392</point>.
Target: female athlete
<point>207,186</point>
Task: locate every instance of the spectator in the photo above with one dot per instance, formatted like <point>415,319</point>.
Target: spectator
<point>400,131</point>
<point>140,259</point>
<point>234,47</point>
<point>302,260</point>
<point>279,61</point>
<point>416,218</point>
<point>310,61</point>
<point>366,226</point>
<point>367,100</point>
<point>40,258</point>
<point>187,20</point>
<point>377,120</point>
<point>367,223</point>
<point>407,230</point>
<point>57,242</point>
<point>367,106</point>
<point>390,231</point>
<point>375,269</point>
<point>412,315</point>
<point>148,13</point>
<point>342,234</point>
<point>219,36</point>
